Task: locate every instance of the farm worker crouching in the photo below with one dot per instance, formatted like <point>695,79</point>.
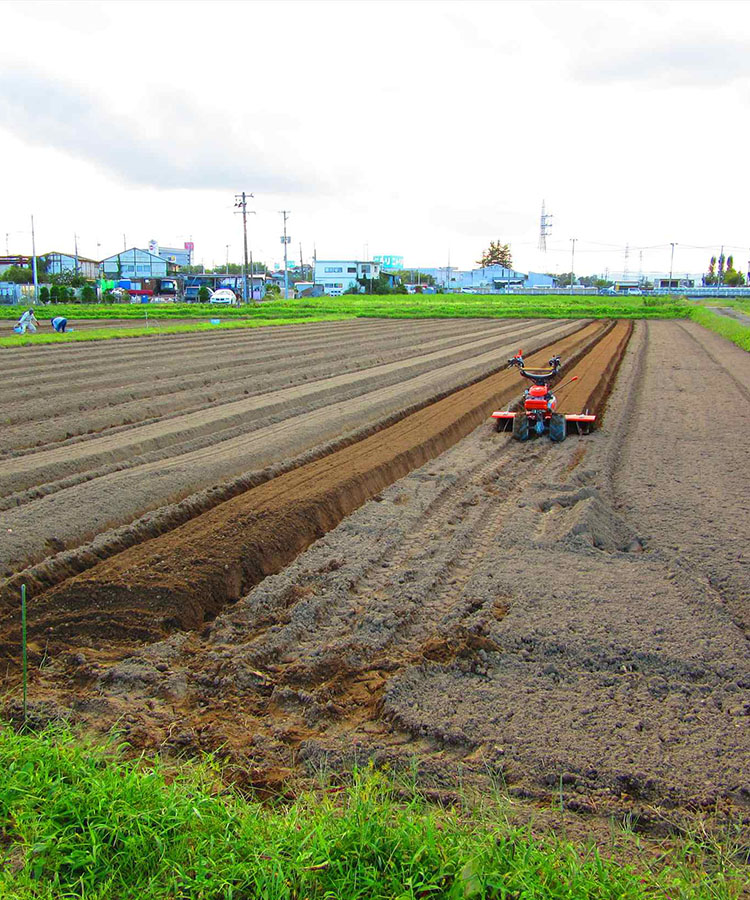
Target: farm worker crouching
<point>59,323</point>
<point>27,322</point>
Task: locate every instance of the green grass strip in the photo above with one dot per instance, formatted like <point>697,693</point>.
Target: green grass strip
<point>79,821</point>
<point>397,306</point>
<point>103,334</point>
<point>728,328</point>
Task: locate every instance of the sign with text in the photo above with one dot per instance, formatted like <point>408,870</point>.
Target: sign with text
<point>389,262</point>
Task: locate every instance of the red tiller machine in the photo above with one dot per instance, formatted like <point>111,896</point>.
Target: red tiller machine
<point>539,413</point>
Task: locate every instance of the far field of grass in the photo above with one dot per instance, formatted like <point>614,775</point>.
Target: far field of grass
<point>391,306</point>
<point>143,319</point>
<point>82,821</point>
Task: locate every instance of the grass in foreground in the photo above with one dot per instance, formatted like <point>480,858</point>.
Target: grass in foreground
<point>79,821</point>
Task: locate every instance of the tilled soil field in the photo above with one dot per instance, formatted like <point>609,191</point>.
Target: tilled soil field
<point>563,618</point>
<point>113,443</point>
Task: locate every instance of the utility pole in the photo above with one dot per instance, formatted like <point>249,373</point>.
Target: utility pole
<point>124,243</point>
<point>721,269</point>
<point>240,201</point>
<point>572,263</point>
<point>33,261</point>
<point>75,244</point>
<point>285,240</point>
<point>227,266</point>
<point>671,263</point>
<point>301,269</point>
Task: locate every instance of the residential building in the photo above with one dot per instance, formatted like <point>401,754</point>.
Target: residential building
<point>338,275</point>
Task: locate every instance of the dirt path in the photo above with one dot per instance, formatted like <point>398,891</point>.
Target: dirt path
<point>684,459</point>
<point>732,313</point>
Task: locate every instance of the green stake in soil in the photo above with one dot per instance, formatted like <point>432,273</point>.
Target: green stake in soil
<point>23,648</point>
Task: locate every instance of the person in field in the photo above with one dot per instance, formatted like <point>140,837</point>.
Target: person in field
<point>27,322</point>
<point>59,323</point>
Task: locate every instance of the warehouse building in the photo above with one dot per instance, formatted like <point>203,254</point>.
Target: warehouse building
<point>135,263</point>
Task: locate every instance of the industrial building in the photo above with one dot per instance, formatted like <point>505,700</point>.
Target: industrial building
<point>178,256</point>
<point>486,279</point>
<point>135,263</point>
<point>57,263</point>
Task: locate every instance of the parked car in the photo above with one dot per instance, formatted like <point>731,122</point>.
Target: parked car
<point>634,292</point>
<point>224,296</point>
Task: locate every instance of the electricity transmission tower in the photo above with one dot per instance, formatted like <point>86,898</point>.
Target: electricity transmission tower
<point>545,226</point>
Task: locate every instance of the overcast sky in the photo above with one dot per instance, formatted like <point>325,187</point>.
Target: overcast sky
<point>423,129</point>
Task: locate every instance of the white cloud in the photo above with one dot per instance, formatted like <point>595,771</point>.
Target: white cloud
<point>419,128</point>
<point>173,143</point>
<point>701,62</point>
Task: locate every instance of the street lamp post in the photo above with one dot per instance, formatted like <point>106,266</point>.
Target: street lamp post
<point>285,239</point>
<point>572,263</point>
<point>671,263</point>
<point>33,262</point>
